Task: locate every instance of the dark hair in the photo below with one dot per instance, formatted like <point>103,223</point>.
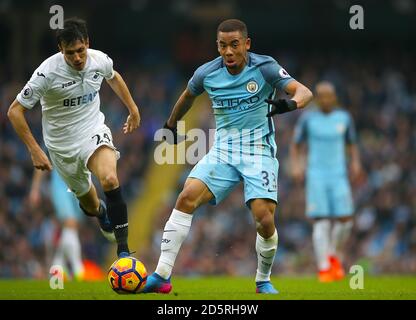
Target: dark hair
<point>74,29</point>
<point>231,25</point>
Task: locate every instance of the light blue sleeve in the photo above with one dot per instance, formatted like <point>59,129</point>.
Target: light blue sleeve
<point>274,73</point>
<point>300,133</point>
<point>351,134</point>
<point>196,83</point>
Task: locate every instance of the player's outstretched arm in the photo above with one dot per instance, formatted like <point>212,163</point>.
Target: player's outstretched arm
<point>17,118</point>
<point>300,97</point>
<point>120,88</point>
<point>181,107</point>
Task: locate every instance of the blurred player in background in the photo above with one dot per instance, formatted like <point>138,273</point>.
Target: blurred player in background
<point>240,85</point>
<point>78,141</point>
<point>69,215</point>
<point>329,133</point>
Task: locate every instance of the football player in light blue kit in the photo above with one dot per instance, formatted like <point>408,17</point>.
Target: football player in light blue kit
<point>241,86</point>
<point>328,132</point>
<point>69,215</point>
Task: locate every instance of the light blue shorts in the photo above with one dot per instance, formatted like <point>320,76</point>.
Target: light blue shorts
<point>328,197</point>
<point>64,201</point>
<point>221,173</point>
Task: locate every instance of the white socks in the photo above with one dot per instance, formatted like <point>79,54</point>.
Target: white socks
<point>266,251</point>
<point>321,239</point>
<point>175,232</point>
<point>339,235</point>
<point>69,247</point>
<point>327,241</point>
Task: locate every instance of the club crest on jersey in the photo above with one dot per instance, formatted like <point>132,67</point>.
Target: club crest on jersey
<point>27,92</point>
<point>252,86</point>
<point>283,73</point>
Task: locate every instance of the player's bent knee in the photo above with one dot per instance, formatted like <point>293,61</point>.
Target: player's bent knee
<point>109,182</point>
<point>186,202</point>
<point>266,220</point>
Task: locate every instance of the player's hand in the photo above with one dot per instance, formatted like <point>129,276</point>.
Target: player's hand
<point>171,136</point>
<point>132,123</point>
<point>281,106</point>
<point>40,160</point>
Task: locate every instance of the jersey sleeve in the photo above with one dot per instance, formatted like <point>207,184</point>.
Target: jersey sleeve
<point>196,83</point>
<point>108,70</point>
<point>300,129</point>
<point>275,74</point>
<point>34,89</point>
<point>350,134</point>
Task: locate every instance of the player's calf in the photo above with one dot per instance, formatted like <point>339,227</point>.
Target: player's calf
<point>266,242</point>
<point>104,221</point>
<point>90,209</point>
<point>194,194</point>
<point>117,212</point>
<point>263,212</point>
<point>266,252</point>
<point>174,233</point>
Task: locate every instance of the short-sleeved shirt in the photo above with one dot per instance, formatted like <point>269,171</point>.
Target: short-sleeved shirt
<point>69,98</point>
<point>238,102</point>
<point>326,135</point>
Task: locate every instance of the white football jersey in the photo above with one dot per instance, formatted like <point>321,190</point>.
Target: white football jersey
<point>69,98</point>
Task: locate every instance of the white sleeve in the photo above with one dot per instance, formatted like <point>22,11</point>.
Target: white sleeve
<point>34,89</point>
<point>108,70</point>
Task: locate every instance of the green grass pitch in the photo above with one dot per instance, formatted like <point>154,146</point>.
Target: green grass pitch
<point>222,288</point>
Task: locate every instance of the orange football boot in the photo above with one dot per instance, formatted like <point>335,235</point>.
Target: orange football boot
<point>336,268</point>
<point>326,275</point>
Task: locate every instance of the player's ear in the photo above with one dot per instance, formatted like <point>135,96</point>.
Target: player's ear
<point>87,42</point>
<point>248,44</point>
<point>60,48</point>
<point>218,45</point>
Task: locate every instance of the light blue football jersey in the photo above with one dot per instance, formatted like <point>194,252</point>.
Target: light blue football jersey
<point>238,102</point>
<point>326,135</point>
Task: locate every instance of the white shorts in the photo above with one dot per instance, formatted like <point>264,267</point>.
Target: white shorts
<point>73,168</point>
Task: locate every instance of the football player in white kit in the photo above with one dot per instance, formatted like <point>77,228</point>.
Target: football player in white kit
<point>78,141</point>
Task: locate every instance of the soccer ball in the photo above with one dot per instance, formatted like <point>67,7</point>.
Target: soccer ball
<point>127,275</point>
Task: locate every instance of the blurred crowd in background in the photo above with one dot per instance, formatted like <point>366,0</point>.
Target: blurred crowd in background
<point>376,85</point>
